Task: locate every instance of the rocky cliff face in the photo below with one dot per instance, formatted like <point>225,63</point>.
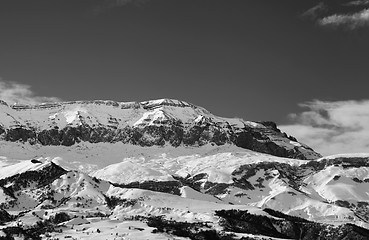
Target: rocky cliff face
<point>157,122</point>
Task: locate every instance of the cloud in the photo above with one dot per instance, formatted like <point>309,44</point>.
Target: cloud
<point>13,92</point>
<point>351,21</point>
<point>314,12</point>
<point>348,15</point>
<point>357,3</point>
<point>106,5</point>
<point>332,127</point>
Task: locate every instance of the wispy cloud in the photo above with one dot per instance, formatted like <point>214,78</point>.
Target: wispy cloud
<point>332,127</point>
<point>358,3</point>
<point>105,5</point>
<point>347,15</point>
<point>13,92</point>
<point>350,21</point>
<point>315,11</point>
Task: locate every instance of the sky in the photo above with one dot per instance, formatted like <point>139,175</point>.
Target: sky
<point>303,64</point>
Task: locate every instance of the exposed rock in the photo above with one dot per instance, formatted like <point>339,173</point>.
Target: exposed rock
<point>150,123</point>
<point>288,227</point>
<point>5,216</point>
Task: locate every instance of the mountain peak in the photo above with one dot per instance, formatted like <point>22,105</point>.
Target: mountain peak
<point>155,122</point>
<point>166,102</point>
<point>144,104</point>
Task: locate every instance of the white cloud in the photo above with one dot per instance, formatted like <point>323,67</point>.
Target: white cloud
<point>357,3</point>
<point>332,127</point>
<point>350,21</point>
<point>13,92</point>
<point>349,15</point>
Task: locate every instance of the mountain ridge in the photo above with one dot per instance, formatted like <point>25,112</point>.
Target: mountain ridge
<point>123,105</point>
<point>148,123</point>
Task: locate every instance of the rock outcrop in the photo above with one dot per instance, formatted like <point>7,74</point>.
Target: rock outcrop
<point>149,123</point>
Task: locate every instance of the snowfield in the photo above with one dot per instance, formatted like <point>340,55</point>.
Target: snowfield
<point>207,190</point>
<point>321,196</point>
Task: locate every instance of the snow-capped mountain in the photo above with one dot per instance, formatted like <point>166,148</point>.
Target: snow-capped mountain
<point>151,123</point>
<point>333,189</point>
<point>168,169</point>
<point>250,200</point>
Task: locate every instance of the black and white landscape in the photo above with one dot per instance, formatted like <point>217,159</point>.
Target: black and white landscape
<point>168,169</point>
<point>185,119</point>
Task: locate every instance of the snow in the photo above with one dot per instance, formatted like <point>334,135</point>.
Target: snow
<point>124,163</point>
<point>172,206</point>
<point>117,115</point>
<point>240,123</point>
<point>69,116</point>
<point>217,162</point>
<point>73,114</point>
<point>127,163</point>
<point>346,155</point>
<point>3,196</point>
<point>76,184</point>
<point>199,119</point>
<point>166,101</point>
<point>161,162</point>
<point>149,118</point>
<point>343,188</point>
<point>130,170</point>
<point>294,143</point>
<point>108,113</point>
<point>110,229</point>
<point>188,192</point>
<point>256,237</point>
<point>21,167</point>
<point>77,221</point>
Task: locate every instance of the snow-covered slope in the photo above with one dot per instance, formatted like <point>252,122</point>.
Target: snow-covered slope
<point>157,122</point>
<point>168,169</point>
<point>331,189</point>
<point>217,163</point>
<point>21,167</point>
<point>89,157</point>
<point>201,189</point>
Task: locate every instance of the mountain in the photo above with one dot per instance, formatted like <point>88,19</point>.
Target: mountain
<point>151,123</point>
<point>331,189</point>
<point>43,200</point>
<point>166,169</point>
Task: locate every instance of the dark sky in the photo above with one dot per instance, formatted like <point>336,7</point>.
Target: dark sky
<point>255,59</point>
